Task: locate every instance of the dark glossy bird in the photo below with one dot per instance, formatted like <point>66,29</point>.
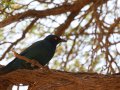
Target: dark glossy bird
<point>42,51</point>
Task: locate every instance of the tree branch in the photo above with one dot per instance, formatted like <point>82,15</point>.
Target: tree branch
<point>33,62</point>
<point>61,29</point>
<point>18,40</point>
<point>41,14</point>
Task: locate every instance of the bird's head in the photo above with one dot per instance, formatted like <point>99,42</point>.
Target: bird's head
<point>54,39</point>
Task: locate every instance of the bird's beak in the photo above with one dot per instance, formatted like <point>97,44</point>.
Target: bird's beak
<point>63,40</point>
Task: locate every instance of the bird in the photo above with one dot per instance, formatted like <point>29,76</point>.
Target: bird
<point>42,51</point>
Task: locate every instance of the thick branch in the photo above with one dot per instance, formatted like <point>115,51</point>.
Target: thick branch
<point>61,29</point>
<point>59,80</point>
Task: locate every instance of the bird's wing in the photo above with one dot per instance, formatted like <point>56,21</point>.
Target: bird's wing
<point>29,48</point>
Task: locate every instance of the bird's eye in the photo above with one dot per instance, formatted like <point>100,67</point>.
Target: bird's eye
<point>56,38</point>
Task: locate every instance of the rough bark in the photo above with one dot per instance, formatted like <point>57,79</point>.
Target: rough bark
<point>46,79</point>
<point>57,80</point>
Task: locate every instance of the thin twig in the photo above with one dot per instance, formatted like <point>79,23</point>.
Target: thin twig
<point>33,62</point>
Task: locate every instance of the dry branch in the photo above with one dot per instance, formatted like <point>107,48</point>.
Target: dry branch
<point>41,14</point>
<point>58,80</point>
<point>18,40</point>
<point>33,62</point>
